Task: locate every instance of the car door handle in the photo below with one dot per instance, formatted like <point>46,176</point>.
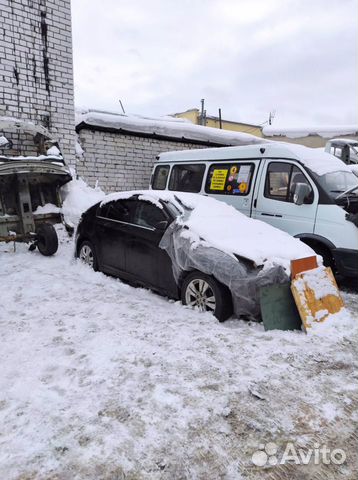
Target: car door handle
<point>271,215</point>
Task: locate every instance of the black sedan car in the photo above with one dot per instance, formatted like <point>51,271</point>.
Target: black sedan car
<point>122,237</point>
<point>189,247</point>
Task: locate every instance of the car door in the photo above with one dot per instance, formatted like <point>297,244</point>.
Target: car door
<point>273,198</point>
<point>146,262</point>
<point>113,234</point>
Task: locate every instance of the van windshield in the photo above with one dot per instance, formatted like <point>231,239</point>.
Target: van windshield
<point>338,182</point>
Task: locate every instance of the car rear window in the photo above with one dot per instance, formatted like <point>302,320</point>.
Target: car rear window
<point>229,178</point>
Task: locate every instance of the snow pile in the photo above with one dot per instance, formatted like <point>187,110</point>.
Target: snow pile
<point>3,141</point>
<point>225,228</point>
<point>79,150</point>
<point>304,131</point>
<point>316,160</point>
<point>77,198</point>
<point>48,208</point>
<point>53,151</point>
<point>164,126</point>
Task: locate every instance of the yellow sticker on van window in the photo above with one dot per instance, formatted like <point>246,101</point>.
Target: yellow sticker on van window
<point>243,187</point>
<point>218,179</point>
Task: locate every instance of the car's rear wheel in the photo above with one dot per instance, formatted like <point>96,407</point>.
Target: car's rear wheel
<point>207,294</point>
<point>87,254</point>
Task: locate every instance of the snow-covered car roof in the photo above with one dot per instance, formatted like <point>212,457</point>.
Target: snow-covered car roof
<point>315,159</point>
<point>223,227</point>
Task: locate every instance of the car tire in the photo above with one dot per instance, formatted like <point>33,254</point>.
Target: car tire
<point>87,254</point>
<point>206,293</point>
<point>46,239</point>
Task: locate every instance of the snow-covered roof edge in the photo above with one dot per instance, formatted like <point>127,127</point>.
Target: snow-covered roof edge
<point>328,131</point>
<point>167,127</point>
<point>28,126</point>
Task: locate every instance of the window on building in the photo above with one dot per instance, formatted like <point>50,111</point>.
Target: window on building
<point>229,178</point>
<point>187,178</point>
<point>160,175</point>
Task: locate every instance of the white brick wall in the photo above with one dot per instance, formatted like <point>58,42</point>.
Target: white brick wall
<point>36,71</point>
<point>121,162</point>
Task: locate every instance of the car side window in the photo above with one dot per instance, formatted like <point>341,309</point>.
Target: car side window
<point>148,215</point>
<point>229,179</point>
<point>160,176</point>
<point>281,181</point>
<point>187,178</point>
<point>119,210</point>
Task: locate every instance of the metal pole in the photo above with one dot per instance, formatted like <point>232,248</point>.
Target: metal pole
<point>202,115</point>
<point>220,121</point>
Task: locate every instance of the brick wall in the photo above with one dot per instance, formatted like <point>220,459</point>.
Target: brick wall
<point>36,74</point>
<point>121,162</point>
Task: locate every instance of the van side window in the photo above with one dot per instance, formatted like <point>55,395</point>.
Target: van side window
<point>229,178</point>
<point>187,178</point>
<point>281,181</point>
<point>160,175</point>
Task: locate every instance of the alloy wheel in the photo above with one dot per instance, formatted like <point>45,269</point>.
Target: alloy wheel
<point>199,294</point>
<point>86,255</point>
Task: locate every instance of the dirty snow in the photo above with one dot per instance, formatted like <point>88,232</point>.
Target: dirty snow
<point>100,380</point>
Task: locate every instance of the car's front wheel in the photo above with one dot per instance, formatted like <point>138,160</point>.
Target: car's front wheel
<point>87,254</point>
<point>207,294</point>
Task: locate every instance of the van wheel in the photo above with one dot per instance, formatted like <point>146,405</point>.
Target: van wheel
<point>326,255</point>
<point>46,239</point>
<point>207,294</point>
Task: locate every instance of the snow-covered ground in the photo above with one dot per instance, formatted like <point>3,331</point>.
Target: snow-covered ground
<point>100,380</point>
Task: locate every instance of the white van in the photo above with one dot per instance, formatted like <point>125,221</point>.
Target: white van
<point>308,193</point>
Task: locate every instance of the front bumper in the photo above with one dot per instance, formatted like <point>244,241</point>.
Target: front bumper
<point>346,261</point>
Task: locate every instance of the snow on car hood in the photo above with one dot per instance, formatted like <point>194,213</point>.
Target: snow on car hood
<point>225,228</point>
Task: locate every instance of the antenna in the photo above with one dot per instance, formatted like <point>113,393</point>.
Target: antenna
<point>271,116</point>
<point>120,101</point>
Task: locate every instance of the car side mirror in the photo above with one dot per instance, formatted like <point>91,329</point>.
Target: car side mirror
<point>161,226</point>
<point>301,193</point>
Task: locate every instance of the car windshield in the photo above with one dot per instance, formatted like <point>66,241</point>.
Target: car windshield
<point>338,182</point>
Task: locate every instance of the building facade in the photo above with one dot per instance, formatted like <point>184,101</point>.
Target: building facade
<point>36,76</point>
<point>194,116</point>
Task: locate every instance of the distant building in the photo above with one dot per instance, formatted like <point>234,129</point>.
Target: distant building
<point>310,136</point>
<point>195,117</point>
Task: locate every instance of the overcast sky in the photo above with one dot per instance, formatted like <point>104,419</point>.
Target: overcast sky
<point>249,57</point>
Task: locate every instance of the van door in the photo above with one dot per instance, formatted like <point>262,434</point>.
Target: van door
<point>273,197</point>
<point>233,182</point>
